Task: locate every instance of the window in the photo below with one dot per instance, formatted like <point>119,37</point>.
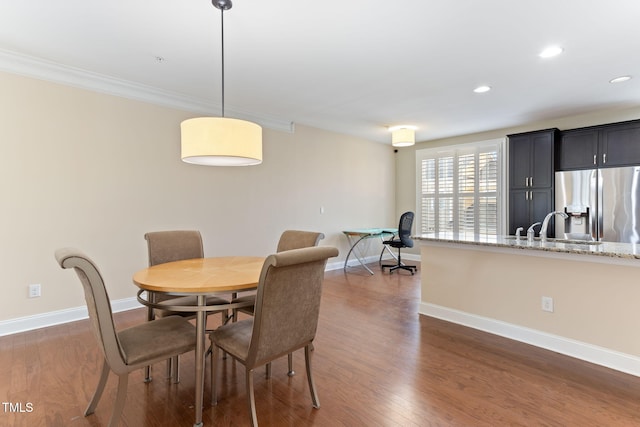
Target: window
<point>459,188</point>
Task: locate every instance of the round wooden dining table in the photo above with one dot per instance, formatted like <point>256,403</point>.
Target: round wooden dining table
<point>200,277</point>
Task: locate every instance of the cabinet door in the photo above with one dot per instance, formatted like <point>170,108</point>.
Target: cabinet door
<point>529,206</point>
<point>578,149</point>
<point>541,203</point>
<point>519,211</point>
<point>542,161</point>
<point>519,161</point>
<point>620,145</point>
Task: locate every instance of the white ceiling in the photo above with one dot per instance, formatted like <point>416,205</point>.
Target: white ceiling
<point>355,66</point>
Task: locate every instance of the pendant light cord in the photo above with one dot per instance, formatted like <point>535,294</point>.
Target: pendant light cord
<point>222,39</point>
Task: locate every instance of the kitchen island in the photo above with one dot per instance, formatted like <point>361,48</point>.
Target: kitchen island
<point>498,284</point>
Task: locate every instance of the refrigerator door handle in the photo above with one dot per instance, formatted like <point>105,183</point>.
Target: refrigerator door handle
<point>595,158</point>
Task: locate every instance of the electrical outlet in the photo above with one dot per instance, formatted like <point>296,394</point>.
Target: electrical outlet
<point>34,290</point>
<point>547,304</point>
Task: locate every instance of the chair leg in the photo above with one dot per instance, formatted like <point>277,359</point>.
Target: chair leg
<point>169,367</point>
<point>290,360</point>
<point>175,369</point>
<point>410,268</point>
<point>147,373</point>
<point>251,398</point>
<point>121,398</point>
<point>267,369</point>
<point>99,389</point>
<point>214,364</point>
<point>151,315</point>
<point>312,386</point>
<point>234,312</point>
<point>400,265</point>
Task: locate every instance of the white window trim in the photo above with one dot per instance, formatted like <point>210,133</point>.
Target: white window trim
<point>501,224</point>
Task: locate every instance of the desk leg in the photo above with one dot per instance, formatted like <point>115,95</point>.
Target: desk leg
<point>201,318</point>
<point>353,249</point>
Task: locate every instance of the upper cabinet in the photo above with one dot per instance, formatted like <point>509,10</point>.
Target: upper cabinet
<point>531,177</point>
<point>616,144</point>
<point>531,159</point>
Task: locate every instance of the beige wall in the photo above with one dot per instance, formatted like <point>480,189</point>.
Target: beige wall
<point>594,303</point>
<point>83,169</point>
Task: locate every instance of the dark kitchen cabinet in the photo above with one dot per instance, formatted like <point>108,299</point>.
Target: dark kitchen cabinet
<point>531,177</point>
<point>527,207</point>
<point>578,149</point>
<point>612,145</point>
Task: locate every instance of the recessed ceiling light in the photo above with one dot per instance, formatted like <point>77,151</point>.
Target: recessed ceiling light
<point>551,51</point>
<point>482,89</point>
<point>620,79</point>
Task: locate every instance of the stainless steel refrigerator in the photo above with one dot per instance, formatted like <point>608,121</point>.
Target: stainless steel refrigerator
<point>602,204</point>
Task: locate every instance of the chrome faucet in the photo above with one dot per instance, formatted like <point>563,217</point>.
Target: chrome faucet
<point>545,222</point>
<point>518,231</point>
<point>531,232</point>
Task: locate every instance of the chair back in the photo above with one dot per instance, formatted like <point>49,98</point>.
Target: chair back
<point>168,246</point>
<point>295,239</point>
<point>98,305</point>
<point>404,229</point>
<point>287,302</point>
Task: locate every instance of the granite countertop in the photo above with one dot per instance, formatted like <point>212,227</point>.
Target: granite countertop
<point>608,249</point>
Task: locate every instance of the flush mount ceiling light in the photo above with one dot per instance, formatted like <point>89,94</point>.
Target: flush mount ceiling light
<point>221,141</point>
<point>482,89</point>
<point>551,51</point>
<point>620,79</point>
<point>403,135</point>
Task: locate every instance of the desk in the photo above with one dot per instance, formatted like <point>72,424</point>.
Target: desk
<point>200,277</point>
<point>357,235</point>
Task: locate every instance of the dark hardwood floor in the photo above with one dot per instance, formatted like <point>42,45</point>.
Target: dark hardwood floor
<point>376,363</point>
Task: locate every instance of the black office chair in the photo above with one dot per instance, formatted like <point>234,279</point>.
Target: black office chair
<point>403,241</point>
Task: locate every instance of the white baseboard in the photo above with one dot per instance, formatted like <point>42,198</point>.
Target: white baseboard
<point>28,323</point>
<point>598,355</point>
<point>337,265</point>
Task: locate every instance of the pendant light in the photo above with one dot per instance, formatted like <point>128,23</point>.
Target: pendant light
<point>403,136</point>
<point>221,141</point>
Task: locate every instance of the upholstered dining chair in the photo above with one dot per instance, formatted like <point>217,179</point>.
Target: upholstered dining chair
<point>287,306</point>
<point>289,239</point>
<point>402,241</point>
<point>129,349</point>
<point>169,246</point>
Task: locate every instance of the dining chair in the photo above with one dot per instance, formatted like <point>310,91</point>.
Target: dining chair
<point>402,241</point>
<point>129,349</point>
<point>169,246</point>
<point>287,306</point>
<point>289,239</point>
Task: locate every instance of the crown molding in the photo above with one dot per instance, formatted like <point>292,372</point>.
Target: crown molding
<point>29,66</point>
